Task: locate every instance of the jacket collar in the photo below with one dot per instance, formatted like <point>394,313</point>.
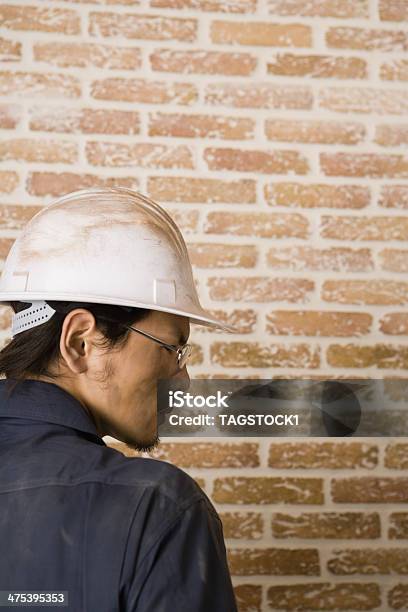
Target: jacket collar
<point>44,401</point>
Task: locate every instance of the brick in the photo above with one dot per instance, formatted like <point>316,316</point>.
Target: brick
<point>394,196</point>
<point>268,490</point>
<point>186,220</point>
<point>243,319</point>
<point>368,561</point>
<point>84,120</point>
<point>143,91</point>
<point>10,116</point>
<point>339,259</point>
<point>260,289</point>
<point>196,355</point>
<point>396,456</point>
<point>38,19</point>
<point>315,132</point>
<point>395,388</point>
<point>397,597</point>
<point>5,318</point>
<point>325,596</point>
<point>323,8</point>
<point>58,183</point>
<point>50,151</point>
<point>327,455</point>
<point>316,195</point>
<point>200,126</point>
<point>394,260</point>
<point>142,27</point>
<point>200,482</point>
<point>394,323</point>
<point>203,62</point>
<point>110,2</point>
<point>273,561</point>
<point>364,228</point>
<point>317,66</point>
<point>259,33</point>
<point>370,489</point>
<point>269,162</point>
<point>249,597</point>
<point>318,323</point>
<point>10,50</point>
<point>15,217</point>
<point>327,525</point>
<point>396,70</point>
<point>258,95</point>
<point>212,376</point>
<point>87,55</point>
<point>227,6</point>
<point>398,529</point>
<point>214,255</point>
<point>364,100</point>
<point>144,155</point>
<point>5,246</point>
<point>367,39</point>
<point>393,10</point>
<point>364,164</point>
<point>204,454</point>
<point>391,135</point>
<point>256,355</point>
<point>264,225</point>
<point>201,190</point>
<point>378,355</point>
<point>371,292</point>
<point>242,525</point>
<point>8,181</point>
<point>321,377</point>
<point>35,84</point>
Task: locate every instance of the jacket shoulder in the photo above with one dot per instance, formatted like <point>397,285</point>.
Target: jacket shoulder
<point>158,475</point>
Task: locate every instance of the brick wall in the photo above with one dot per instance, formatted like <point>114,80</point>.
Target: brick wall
<point>273,131</point>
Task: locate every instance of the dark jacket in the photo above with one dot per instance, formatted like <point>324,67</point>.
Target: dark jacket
<point>116,533</point>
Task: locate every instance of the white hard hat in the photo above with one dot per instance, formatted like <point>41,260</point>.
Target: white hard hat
<point>105,246</point>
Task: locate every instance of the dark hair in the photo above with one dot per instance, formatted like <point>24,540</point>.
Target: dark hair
<point>33,351</point>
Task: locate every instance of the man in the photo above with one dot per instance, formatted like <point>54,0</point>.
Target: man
<point>112,296</point>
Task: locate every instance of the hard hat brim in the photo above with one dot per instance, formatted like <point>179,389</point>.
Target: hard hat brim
<point>197,317</point>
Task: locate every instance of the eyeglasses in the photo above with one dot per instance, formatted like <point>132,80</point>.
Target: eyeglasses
<point>183,352</point>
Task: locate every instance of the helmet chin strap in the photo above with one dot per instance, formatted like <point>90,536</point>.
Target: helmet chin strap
<point>38,313</point>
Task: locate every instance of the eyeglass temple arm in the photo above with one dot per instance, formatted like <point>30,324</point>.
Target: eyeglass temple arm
<point>169,346</point>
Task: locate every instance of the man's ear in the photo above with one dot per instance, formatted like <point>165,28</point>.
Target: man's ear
<point>77,333</point>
